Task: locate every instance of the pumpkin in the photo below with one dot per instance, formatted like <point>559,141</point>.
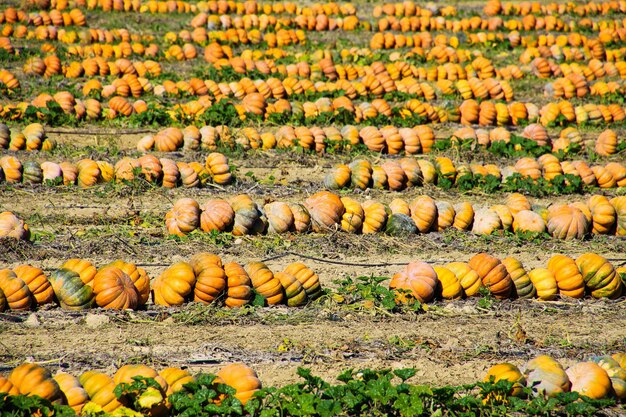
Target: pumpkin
<point>248,218</point>
<point>99,388</point>
<point>449,284</point>
<point>429,172</point>
<point>361,174</point>
<point>493,274</point>
<point>301,218</point>
<point>83,268</point>
<point>176,378</point>
<point>7,387</point>
<point>239,291</point>
<point>18,295</point>
<point>114,289</point>
<point>463,216</point>
<point>419,278</point>
<point>171,173</point>
<point>606,144</point>
<point>412,171</point>
<point>568,278</point>
<point>265,283</point>
<point>399,224</point>
<point>603,214</point>
<point>242,378</point>
<point>589,379</point>
<point>486,222</point>
<point>33,379</point>
<point>506,217</point>
<point>523,285</point>
<point>445,216</point>
<point>338,178</point>
<point>544,282</point>
<point>294,291</point>
<point>37,283</point>
<point>216,215</point>
<point>616,373</point>
<point>424,213</point>
<point>619,203</point>
<point>13,226</point>
<point>210,277</point>
<point>546,376</point>
<point>375,217</point>
<point>73,391</point>
<point>353,216</point>
<point>379,178</point>
<point>32,173</point>
<point>326,210</point>
<point>528,221</point>
<point>567,222</point>
<point>168,140</point>
<point>507,372</point>
<point>217,164</point>
<point>184,217</point>
<point>468,278</point>
<point>279,217</point>
<point>174,286</point>
<point>600,278</point>
<point>126,373</point>
<point>309,279</point>
<point>88,173</point>
<point>12,169</point>
<point>138,276</point>
<point>396,178</point>
<point>399,206</point>
<point>70,291</point>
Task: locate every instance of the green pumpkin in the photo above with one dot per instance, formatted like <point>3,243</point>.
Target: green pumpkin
<point>338,178</point>
<point>600,277</point>
<point>361,174</point>
<point>294,291</point>
<point>70,291</point>
<point>400,225</point>
<point>32,173</point>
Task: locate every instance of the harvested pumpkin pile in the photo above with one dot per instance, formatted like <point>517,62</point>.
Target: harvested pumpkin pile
<point>339,195</point>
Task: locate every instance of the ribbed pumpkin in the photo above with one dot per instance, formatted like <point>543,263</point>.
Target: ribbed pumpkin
<point>33,379</point>
<point>100,388</point>
<point>616,373</point>
<point>7,386</point>
<point>568,278</point>
<point>70,291</point>
<point>353,216</point>
<point>75,395</point>
<point>449,285</point>
<point>37,283</point>
<point>242,378</point>
<point>486,222</point>
<point>600,277</point>
<point>507,372</point>
<point>463,216</point>
<point>417,277</point>
<point>174,286</point>
<point>239,287</point>
<point>424,213</point>
<point>589,379</point>
<point>13,226</point>
<point>264,282</point>
<point>468,278</point>
<point>176,378</point>
<point>183,218</point>
<point>16,292</point>
<point>279,217</point>
<point>301,218</point>
<point>307,277</point>
<point>375,217</point>
<point>210,277</point>
<point>216,215</point>
<point>528,221</point>
<point>114,289</point>
<point>546,376</point>
<point>248,218</point>
<point>126,373</point>
<point>544,282</point>
<point>361,174</point>
<point>326,210</point>
<point>83,268</point>
<point>294,291</point>
<point>138,276</point>
<point>493,274</point>
<point>567,222</point>
<point>523,285</point>
<point>338,177</point>
<point>603,215</point>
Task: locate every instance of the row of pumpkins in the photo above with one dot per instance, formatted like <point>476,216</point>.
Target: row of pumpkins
<point>87,172</point>
<point>78,285</point>
<point>326,211</point>
<point>397,175</point>
<point>563,276</point>
<point>598,378</point>
<point>93,391</point>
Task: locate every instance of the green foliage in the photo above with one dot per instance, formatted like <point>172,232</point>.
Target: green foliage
<point>369,294</point>
<point>155,116</point>
<point>26,406</point>
<point>198,399</point>
<point>220,113</point>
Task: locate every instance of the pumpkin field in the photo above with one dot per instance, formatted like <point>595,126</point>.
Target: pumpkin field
<point>312,208</point>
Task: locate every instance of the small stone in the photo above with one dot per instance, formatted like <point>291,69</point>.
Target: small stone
<point>94,321</point>
<point>238,241</point>
<point>32,321</point>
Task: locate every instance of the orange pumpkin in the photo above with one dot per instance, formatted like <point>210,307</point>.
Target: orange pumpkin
<point>114,289</point>
<point>210,277</point>
<point>37,283</point>
<point>567,275</point>
<point>239,286</point>
<point>326,210</point>
<point>242,378</point>
<point>174,285</point>
<point>183,218</point>
<point>417,277</point>
<point>493,274</point>
<point>16,292</point>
